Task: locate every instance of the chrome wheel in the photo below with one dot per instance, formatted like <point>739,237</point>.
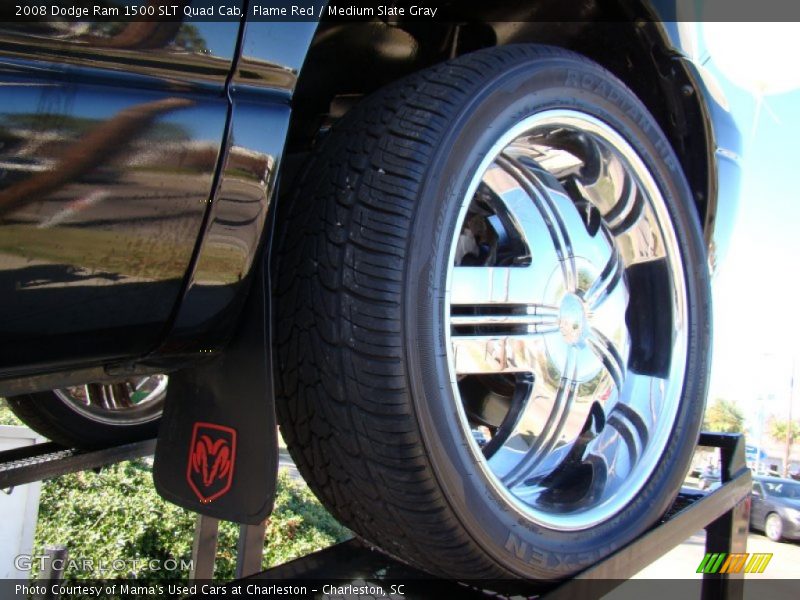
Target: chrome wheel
<point>132,401</point>
<point>567,327</point>
<point>774,527</point>
<point>493,315</point>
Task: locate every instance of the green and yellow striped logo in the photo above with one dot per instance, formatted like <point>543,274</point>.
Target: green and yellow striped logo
<point>722,562</point>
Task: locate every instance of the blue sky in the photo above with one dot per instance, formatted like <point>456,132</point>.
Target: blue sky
<point>757,290</point>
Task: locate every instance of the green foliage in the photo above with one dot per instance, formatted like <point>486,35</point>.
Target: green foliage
<point>117,515</point>
<point>723,416</point>
<point>6,416</point>
<point>299,525</point>
<point>113,515</point>
<point>779,428</point>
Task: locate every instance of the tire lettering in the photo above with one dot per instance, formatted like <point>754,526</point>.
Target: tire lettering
<point>523,551</point>
<point>516,546</point>
<point>572,79</point>
<point>589,82</point>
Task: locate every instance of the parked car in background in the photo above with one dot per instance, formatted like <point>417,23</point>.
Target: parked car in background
<point>775,508</point>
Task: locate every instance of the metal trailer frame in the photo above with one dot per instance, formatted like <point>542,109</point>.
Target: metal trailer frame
<point>723,513</point>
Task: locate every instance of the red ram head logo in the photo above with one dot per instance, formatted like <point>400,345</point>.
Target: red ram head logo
<point>212,455</point>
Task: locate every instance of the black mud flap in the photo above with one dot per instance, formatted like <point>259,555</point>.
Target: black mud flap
<point>217,450</point>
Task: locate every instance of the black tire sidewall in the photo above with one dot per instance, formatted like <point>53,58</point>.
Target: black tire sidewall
<point>48,414</point>
<point>520,546</point>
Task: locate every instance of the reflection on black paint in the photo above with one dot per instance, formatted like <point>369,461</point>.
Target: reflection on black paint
<point>104,182</point>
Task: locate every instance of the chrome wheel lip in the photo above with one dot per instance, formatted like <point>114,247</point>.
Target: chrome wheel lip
<point>673,384</point>
<point>146,410</point>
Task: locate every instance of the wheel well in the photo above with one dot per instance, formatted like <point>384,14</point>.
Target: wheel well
<point>347,61</point>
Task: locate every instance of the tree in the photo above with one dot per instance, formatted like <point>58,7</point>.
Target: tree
<point>723,416</point>
<point>785,432</point>
<point>779,428</point>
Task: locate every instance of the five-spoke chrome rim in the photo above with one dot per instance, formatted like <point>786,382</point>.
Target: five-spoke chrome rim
<point>567,335</point>
<point>132,401</point>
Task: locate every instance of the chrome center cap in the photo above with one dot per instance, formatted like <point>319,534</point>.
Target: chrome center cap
<point>572,319</point>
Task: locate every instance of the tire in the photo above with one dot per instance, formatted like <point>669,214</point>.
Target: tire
<point>95,415</point>
<point>773,527</point>
<point>372,399</point>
